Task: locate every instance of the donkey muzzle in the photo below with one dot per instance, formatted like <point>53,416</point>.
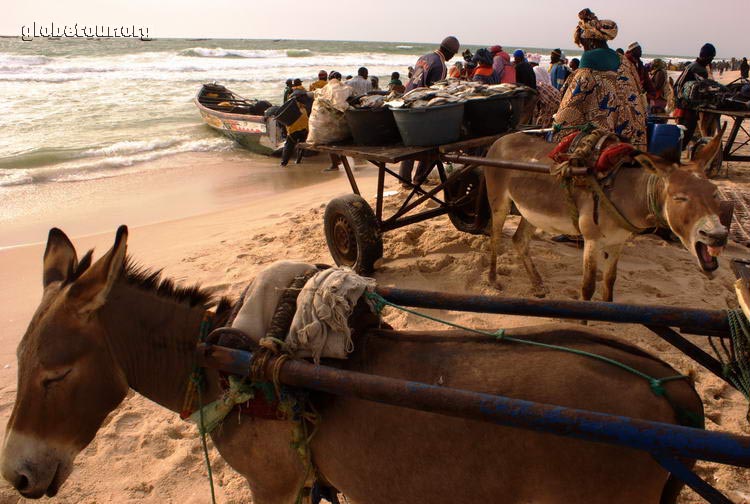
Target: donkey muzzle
<point>715,236</point>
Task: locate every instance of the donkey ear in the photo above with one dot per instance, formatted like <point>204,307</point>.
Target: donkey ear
<point>708,152</point>
<point>655,164</point>
<point>60,258</point>
<point>90,291</point>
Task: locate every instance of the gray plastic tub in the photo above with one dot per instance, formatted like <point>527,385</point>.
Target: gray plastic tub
<point>425,127</point>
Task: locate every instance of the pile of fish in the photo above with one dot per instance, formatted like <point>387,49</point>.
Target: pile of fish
<point>373,101</point>
<point>451,91</point>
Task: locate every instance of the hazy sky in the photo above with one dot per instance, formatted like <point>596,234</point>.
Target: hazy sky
<point>661,26</point>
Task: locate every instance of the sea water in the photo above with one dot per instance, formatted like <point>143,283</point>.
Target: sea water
<point>81,109</point>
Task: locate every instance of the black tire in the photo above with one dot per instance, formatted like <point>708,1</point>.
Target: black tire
<point>462,194</point>
<point>353,233</point>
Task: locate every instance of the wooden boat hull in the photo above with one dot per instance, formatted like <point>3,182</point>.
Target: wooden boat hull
<point>254,132</point>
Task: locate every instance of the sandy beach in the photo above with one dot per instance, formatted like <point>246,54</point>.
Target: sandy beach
<point>217,222</point>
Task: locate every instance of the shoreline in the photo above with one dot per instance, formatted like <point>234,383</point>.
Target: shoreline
<point>239,203</point>
<point>173,188</point>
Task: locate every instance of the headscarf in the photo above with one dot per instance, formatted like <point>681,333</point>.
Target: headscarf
<point>591,27</point>
<point>658,64</point>
<point>483,56</point>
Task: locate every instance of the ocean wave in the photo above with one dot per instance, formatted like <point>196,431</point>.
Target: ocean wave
<point>207,52</point>
<point>32,78</point>
<point>107,161</point>
<point>298,53</point>
<point>15,177</point>
<point>404,47</point>
<point>21,60</point>
<point>131,147</point>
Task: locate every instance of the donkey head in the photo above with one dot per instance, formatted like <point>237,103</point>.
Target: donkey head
<point>691,204</point>
<point>68,379</point>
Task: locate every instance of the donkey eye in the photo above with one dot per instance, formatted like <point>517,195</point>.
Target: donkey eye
<point>680,197</point>
<point>55,377</point>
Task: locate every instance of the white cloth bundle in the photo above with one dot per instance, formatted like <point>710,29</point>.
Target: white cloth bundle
<point>320,326</point>
<point>327,122</point>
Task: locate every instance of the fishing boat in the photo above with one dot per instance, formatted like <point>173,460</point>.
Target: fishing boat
<point>240,119</point>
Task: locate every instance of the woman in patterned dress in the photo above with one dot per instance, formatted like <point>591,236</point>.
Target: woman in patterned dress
<point>605,90</point>
<point>547,104</point>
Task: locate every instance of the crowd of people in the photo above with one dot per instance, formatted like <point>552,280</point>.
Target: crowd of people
<point>608,88</point>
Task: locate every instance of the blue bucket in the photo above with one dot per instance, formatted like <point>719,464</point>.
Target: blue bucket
<point>666,141</point>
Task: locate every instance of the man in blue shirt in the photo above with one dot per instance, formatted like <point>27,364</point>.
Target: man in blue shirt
<point>559,71</point>
<point>429,69</point>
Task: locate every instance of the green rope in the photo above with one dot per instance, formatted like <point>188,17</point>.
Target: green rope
<point>653,201</point>
<point>199,378</point>
<point>656,384</point>
<point>381,302</point>
<point>734,360</point>
<point>202,430</point>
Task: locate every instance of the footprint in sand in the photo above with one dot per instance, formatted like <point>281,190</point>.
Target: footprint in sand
<point>127,422</point>
<point>434,265</point>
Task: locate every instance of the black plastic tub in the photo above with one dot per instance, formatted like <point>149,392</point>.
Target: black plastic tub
<point>425,127</point>
<point>288,113</point>
<point>373,126</point>
<point>493,115</point>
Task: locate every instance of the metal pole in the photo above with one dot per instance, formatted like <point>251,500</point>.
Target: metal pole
<point>655,437</point>
<point>502,163</point>
<point>712,495</point>
<point>694,321</point>
<point>694,352</point>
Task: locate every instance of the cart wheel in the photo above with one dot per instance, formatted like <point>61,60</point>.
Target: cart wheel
<point>462,195</point>
<point>713,169</point>
<point>353,233</point>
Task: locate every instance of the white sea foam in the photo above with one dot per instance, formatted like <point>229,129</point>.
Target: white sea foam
<point>15,177</point>
<point>21,60</point>
<point>218,52</point>
<point>121,158</point>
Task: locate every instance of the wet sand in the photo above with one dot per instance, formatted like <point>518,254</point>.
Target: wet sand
<point>171,213</point>
<point>172,188</point>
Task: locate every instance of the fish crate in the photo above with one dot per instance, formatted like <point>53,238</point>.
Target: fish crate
<point>493,115</point>
<point>374,126</point>
<point>430,126</point>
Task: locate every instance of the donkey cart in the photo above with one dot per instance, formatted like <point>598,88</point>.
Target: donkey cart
<point>669,445</point>
<point>354,231</point>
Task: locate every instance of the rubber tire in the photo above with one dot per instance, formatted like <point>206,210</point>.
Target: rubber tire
<point>464,219</point>
<point>352,217</point>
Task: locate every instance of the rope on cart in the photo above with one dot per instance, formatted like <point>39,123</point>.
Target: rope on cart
<point>734,356</point>
<point>656,384</point>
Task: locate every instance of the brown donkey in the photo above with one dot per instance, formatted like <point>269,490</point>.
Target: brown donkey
<point>105,327</point>
<point>679,196</point>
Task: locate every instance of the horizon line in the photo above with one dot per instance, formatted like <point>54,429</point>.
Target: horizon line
<point>151,39</point>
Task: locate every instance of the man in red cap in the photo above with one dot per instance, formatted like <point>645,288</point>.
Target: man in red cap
<point>431,68</point>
